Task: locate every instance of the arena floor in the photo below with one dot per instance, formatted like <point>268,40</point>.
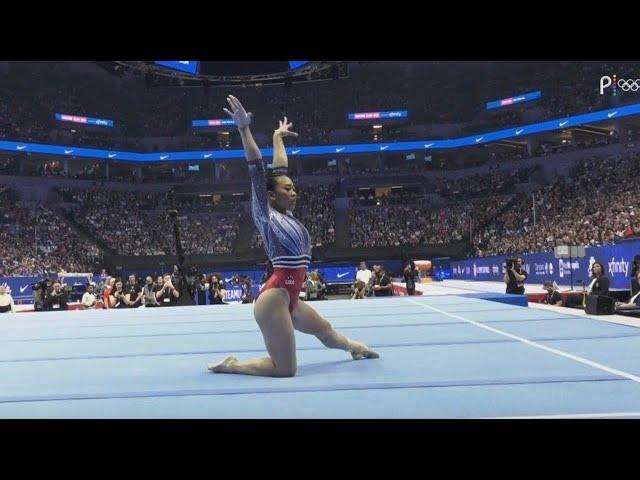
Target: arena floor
<point>445,354</point>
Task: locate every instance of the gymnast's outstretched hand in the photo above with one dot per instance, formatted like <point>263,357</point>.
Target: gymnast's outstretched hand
<point>283,129</point>
<point>238,113</point>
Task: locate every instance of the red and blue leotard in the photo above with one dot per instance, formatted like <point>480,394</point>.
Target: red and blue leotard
<point>286,239</point>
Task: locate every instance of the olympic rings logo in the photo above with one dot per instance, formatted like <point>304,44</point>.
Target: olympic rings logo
<point>629,84</point>
<point>624,84</point>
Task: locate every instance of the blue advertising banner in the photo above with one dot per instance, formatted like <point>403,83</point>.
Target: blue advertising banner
<point>333,150</point>
<point>617,260</point>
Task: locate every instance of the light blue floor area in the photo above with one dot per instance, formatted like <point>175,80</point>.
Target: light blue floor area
<point>151,363</point>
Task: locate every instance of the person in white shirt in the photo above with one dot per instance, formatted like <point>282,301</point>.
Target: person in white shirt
<point>6,301</point>
<point>89,299</point>
<point>363,275</point>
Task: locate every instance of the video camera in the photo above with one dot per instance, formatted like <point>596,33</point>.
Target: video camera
<point>240,280</point>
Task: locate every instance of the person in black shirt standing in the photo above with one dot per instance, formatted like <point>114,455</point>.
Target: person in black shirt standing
<point>57,299</point>
<point>168,295</point>
<point>268,272</point>
<point>514,276</point>
<point>120,295</point>
<point>133,293</point>
<point>201,290</point>
<point>247,289</point>
<point>382,284</point>
<point>216,289</point>
<point>322,287</point>
<point>410,274</point>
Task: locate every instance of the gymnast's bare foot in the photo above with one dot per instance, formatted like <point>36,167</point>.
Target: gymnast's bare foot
<point>359,351</point>
<point>223,366</point>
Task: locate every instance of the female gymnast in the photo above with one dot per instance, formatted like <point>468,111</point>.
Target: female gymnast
<point>277,310</point>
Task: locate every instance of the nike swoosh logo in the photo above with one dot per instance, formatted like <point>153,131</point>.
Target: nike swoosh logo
<point>340,275</point>
<point>293,152</point>
<point>22,289</point>
<point>562,124</point>
<point>68,151</point>
<point>428,145</point>
<point>479,139</point>
<point>518,132</point>
<point>340,149</point>
<point>207,155</point>
<point>111,155</point>
<point>21,147</point>
<point>384,148</point>
<point>162,157</point>
<point>611,114</point>
<point>228,279</point>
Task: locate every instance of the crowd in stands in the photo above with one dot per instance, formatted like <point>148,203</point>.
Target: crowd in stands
<point>136,223</point>
<point>481,185</point>
<point>598,204</point>
<point>34,239</point>
<point>420,225</point>
<point>34,91</point>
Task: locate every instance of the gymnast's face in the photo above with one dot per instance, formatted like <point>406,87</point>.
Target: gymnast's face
<point>3,289</point>
<point>597,269</point>
<point>284,196</point>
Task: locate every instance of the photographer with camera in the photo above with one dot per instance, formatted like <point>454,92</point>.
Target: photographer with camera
<point>187,283</point>
<point>201,290</point>
<point>149,293</point>
<point>39,294</point>
<point>167,296</point>
<point>184,280</point>
<point>410,274</point>
<point>216,289</point>
<point>514,276</point>
<point>246,287</point>
<point>56,299</point>
<point>89,300</point>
